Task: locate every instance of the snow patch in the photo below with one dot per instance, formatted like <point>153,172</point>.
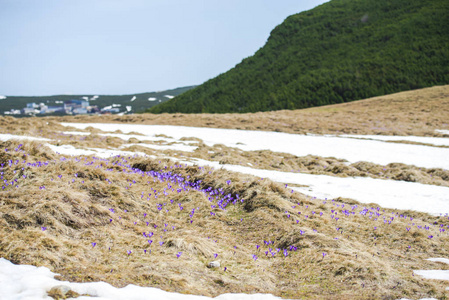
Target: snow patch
<point>419,139</point>
<point>442,131</point>
<point>441,260</point>
<point>98,152</point>
<point>2,97</point>
<point>433,274</point>
<point>350,149</point>
<point>133,98</point>
<point>176,147</point>
<point>169,96</point>
<point>75,133</point>
<point>32,283</point>
<point>138,137</point>
<point>152,99</point>
<point>70,150</point>
<point>386,193</point>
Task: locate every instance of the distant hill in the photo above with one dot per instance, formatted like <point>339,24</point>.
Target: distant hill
<point>340,51</point>
<point>138,102</point>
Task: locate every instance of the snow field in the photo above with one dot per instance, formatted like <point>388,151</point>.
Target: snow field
<point>350,149</point>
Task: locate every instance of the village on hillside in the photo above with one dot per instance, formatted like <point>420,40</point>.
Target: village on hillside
<point>70,107</point>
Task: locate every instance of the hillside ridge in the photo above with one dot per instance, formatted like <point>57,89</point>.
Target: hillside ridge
<point>337,52</point>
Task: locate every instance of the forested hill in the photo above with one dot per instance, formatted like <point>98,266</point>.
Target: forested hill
<point>340,51</point>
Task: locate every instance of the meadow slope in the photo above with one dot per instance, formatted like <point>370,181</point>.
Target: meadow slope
<point>145,208</point>
<point>418,112</point>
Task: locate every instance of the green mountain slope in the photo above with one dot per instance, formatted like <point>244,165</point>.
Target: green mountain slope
<point>139,102</point>
<point>341,51</point>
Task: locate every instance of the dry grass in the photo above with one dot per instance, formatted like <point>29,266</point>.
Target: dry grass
<point>360,263</point>
<point>417,112</point>
<point>263,159</point>
<point>311,164</point>
<point>366,256</point>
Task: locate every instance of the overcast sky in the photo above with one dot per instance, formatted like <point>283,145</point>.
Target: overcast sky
<point>50,47</point>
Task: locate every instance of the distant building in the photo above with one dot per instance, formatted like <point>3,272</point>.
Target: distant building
<point>71,107</point>
<point>13,112</point>
<point>76,107</point>
<point>29,111</point>
<point>51,109</point>
<point>79,111</point>
<point>93,109</point>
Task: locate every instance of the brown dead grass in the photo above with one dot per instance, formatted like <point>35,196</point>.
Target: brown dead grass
<point>361,262</point>
<point>311,164</point>
<point>417,112</point>
<point>262,159</point>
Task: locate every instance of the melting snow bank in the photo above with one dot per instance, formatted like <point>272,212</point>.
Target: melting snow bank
<point>435,274</point>
<point>442,131</point>
<point>176,147</point>
<point>75,133</point>
<point>441,260</point>
<point>98,152</point>
<point>386,193</point>
<point>353,150</point>
<point>30,282</point>
<point>389,138</point>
